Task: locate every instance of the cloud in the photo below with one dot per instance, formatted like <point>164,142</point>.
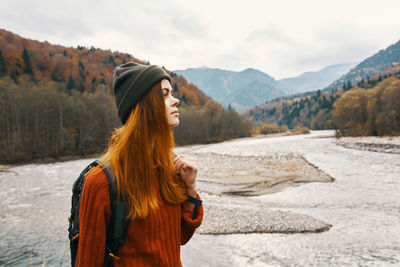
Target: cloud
<point>33,18</point>
<point>187,25</point>
<point>337,42</point>
<point>272,33</point>
<point>283,53</point>
<point>282,38</point>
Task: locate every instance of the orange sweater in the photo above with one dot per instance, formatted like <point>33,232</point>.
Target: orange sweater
<point>153,241</point>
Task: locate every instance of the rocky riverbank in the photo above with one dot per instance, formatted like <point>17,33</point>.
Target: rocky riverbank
<point>228,216</point>
<point>385,144</point>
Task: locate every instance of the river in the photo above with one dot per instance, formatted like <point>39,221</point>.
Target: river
<point>362,205</point>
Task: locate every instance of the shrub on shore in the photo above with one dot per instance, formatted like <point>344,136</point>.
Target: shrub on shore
<point>273,128</point>
<point>299,130</point>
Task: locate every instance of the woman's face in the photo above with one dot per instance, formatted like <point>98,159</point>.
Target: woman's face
<point>171,103</point>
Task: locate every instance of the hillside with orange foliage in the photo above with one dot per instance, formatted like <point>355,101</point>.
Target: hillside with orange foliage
<point>83,69</point>
<point>57,102</point>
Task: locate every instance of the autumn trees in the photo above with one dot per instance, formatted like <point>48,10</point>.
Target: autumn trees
<point>209,124</point>
<point>82,66</point>
<point>40,120</point>
<point>45,120</point>
<point>374,111</point>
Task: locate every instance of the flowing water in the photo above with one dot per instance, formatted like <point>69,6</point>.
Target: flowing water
<point>362,205</point>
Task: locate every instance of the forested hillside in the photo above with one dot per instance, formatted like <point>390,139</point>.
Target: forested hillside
<point>314,109</point>
<point>385,59</point>
<point>57,101</point>
<point>82,69</point>
<point>370,110</point>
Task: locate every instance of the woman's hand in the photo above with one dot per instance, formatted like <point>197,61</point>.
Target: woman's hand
<point>187,168</point>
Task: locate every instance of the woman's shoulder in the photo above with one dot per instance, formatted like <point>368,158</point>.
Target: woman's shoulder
<point>96,180</point>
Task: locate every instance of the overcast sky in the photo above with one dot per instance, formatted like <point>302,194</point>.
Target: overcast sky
<point>279,37</point>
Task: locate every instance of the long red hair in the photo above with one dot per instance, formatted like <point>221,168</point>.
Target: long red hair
<point>141,152</point>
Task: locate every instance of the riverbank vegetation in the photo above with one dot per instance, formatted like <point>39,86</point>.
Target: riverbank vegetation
<point>273,128</point>
<point>373,110</point>
<point>209,124</point>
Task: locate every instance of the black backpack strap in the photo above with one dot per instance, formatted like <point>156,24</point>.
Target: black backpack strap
<point>119,223</point>
<point>73,229</point>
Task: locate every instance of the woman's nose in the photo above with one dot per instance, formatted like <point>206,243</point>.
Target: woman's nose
<point>175,101</point>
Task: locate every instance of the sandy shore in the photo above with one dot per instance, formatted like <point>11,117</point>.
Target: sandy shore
<point>255,175</point>
<point>4,168</point>
<point>229,183</point>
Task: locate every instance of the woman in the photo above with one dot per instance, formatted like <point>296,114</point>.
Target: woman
<point>160,190</point>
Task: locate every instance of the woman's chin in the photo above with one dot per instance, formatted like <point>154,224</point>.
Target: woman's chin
<point>174,124</point>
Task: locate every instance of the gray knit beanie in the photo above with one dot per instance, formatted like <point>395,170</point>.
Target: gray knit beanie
<point>131,81</point>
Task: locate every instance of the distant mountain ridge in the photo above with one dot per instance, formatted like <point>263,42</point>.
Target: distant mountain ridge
<point>377,64</point>
<point>243,89</point>
<point>251,87</point>
<point>314,80</point>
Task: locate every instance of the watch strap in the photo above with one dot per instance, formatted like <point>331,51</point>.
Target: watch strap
<point>194,200</point>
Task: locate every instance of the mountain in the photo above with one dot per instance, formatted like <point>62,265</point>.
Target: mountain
<point>241,90</point>
<point>252,87</point>
<point>385,60</point>
<point>314,109</point>
<point>81,69</point>
<point>310,81</point>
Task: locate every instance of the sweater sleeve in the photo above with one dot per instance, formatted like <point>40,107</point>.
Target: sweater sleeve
<point>94,216</point>
<point>190,222</point>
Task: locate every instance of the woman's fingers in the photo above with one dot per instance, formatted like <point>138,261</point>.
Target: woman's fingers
<point>181,156</point>
<point>184,162</point>
<point>183,165</point>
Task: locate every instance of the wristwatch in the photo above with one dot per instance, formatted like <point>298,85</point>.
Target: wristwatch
<point>194,200</point>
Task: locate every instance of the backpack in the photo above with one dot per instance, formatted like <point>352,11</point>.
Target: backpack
<point>118,227</point>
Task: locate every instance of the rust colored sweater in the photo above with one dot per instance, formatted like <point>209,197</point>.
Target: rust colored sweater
<point>153,241</point>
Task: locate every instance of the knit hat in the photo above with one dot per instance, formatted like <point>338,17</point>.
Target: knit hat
<point>131,81</point>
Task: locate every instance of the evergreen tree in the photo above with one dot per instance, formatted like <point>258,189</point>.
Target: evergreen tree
<point>3,66</point>
<point>28,65</point>
<point>183,98</point>
<point>176,90</point>
<point>349,85</point>
<point>71,83</point>
<point>94,84</point>
<point>81,66</point>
